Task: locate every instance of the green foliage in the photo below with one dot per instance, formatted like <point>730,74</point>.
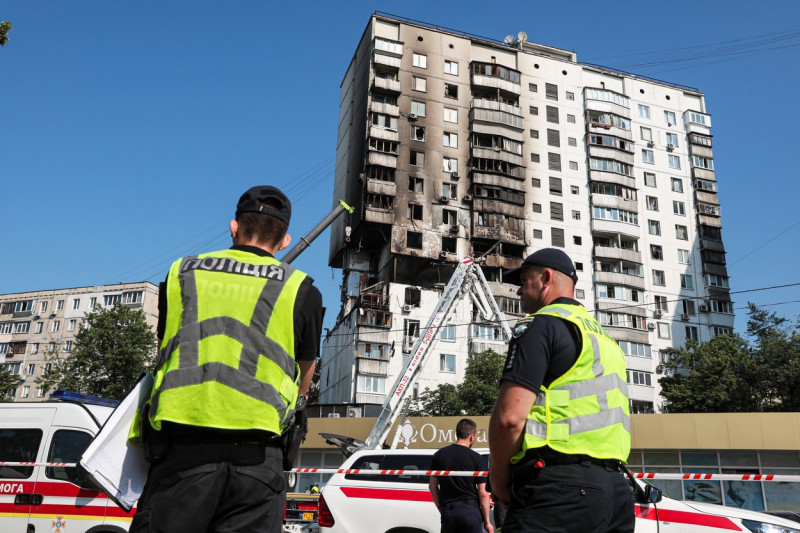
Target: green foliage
<point>113,348</point>
<point>8,384</point>
<point>474,397</point>
<point>735,374</point>
<point>5,27</point>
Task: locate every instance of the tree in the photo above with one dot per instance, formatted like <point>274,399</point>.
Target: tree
<point>5,27</point>
<point>8,384</point>
<point>475,396</point>
<point>113,348</point>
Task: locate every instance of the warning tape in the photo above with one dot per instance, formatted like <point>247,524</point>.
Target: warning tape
<point>483,473</point>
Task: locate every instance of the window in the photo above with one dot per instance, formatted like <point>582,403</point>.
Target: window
<point>447,363</point>
<point>678,208</point>
<point>672,139</point>
<point>371,384</point>
<point>22,327</point>
<point>553,138</point>
<point>658,278</point>
<point>697,118</point>
<point>450,190</point>
<point>572,141</point>
<point>534,158</point>
<point>656,252</point>
<point>449,164</point>
<point>92,302</point>
<point>534,134</point>
<point>637,377</point>
<point>556,211</point>
<point>450,140</point>
<point>448,333</point>
<point>674,161</point>
<point>652,203</point>
<point>555,186</point>
<point>557,237</point>
<point>71,324</point>
<point>716,331</point>
<point>533,88</point>
<point>663,330</point>
<point>450,67</point>
<point>417,133</point>
<point>702,162</point>
<point>553,161</point>
<point>688,307</point>
<point>419,84</point>
<point>686,282</point>
<point>384,121</point>
<point>691,333</point>
<point>450,115</point>
<point>56,325</point>
<point>551,91</point>
<point>417,159</point>
<point>677,184</point>
<point>635,348</point>
<point>573,165</point>
<point>683,256</point>
<point>111,299</point>
<point>533,110</point>
<point>537,208</point>
<point>42,307</point>
<point>76,303</point>
<point>649,179</point>
<point>451,91</point>
<point>647,134</point>
<point>418,108</point>
<point>647,156</point>
<point>570,96</point>
<point>35,348</point>
<point>714,280</point>
<point>661,303</point>
<point>577,241</point>
<point>644,111</point>
<point>681,232</point>
<point>537,234</point>
<point>414,212</point>
<point>669,118</point>
<point>420,61</point>
<point>574,189</point>
<point>536,182</point>
<point>416,184</point>
<point>576,215</point>
<point>31,369</point>
<point>571,119</point>
<point>654,227</point>
<point>39,327</point>
<point>19,445</point>
<point>552,114</point>
<point>68,346</point>
<point>579,294</point>
<point>414,239</point>
<point>59,305</point>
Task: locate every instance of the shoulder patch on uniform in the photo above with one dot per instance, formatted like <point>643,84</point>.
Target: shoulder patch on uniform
<point>522,326</point>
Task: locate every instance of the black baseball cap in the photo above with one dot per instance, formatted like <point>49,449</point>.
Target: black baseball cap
<point>253,202</point>
<point>546,257</point>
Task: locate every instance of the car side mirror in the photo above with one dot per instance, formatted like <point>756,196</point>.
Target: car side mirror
<point>652,494</point>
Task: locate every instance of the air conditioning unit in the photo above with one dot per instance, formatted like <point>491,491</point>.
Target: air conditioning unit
<point>704,308</point>
<point>670,147</point>
<point>407,308</point>
<point>333,415</point>
<point>444,199</point>
<point>650,144</point>
<point>685,317</point>
<point>454,174</point>
<point>658,313</point>
<point>353,412</point>
<point>651,326</point>
<point>412,116</point>
<point>467,197</point>
<point>443,254</point>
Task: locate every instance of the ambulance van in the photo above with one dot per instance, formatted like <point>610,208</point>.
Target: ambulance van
<point>42,497</point>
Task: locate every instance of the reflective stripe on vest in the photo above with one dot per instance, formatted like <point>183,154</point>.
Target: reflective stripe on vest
<point>280,286</point>
<point>556,421</point>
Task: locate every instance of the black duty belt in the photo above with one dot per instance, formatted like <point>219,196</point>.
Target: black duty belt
<point>542,457</point>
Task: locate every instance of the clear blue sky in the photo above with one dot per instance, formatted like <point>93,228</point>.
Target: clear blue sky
<point>129,129</point>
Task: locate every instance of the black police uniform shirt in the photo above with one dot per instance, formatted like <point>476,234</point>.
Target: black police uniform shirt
<point>541,349</point>
<point>458,488</point>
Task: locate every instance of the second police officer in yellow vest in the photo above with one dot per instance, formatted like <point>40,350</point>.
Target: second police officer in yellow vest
<point>561,424</point>
<point>239,333</point>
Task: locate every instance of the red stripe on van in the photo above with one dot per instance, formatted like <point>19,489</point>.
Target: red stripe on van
<point>388,494</point>
<point>685,517</point>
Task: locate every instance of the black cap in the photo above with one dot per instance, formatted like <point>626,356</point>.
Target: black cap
<point>547,257</point>
<point>253,202</point>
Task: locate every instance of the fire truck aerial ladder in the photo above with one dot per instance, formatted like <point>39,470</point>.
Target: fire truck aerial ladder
<point>468,279</point>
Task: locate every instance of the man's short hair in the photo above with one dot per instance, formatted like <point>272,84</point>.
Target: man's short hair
<point>263,228</point>
<point>465,428</point>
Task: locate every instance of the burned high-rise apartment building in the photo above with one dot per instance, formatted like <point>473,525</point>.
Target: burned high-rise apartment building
<point>451,145</point>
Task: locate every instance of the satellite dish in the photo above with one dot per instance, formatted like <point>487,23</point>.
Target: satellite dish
<point>509,39</point>
<point>522,36</point>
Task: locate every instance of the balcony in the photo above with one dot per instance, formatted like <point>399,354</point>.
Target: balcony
<point>615,202</point>
<point>374,301</point>
<point>701,151</point>
<point>374,367</point>
<point>386,61</point>
<point>381,187</point>
<point>382,159</point>
<point>496,153</point>
<point>492,205</point>
<point>608,107</point>
<point>617,278</point>
<point>379,216</point>
<point>492,82</point>
<point>615,226</point>
<point>494,105</point>
<point>370,398</point>
<point>498,234</point>
<point>501,261</point>
<point>387,85</point>
<point>605,152</point>
<point>622,254</point>
<point>376,132</point>
<point>703,173</point>
<point>388,109</point>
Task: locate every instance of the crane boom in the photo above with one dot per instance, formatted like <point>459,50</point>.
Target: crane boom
<point>468,277</point>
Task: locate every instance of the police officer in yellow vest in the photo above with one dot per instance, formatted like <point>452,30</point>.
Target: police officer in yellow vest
<point>561,424</point>
<point>239,333</point>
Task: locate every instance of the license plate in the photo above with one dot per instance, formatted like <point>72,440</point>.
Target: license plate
<point>307,516</point>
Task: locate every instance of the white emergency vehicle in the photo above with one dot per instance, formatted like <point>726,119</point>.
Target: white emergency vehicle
<point>387,503</point>
<point>42,497</point>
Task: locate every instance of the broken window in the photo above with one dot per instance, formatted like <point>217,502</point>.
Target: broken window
<point>451,91</point>
<point>380,201</point>
<point>386,147</point>
<point>417,158</point>
<point>449,217</point>
<point>417,133</point>
<point>414,239</point>
<point>449,245</point>
<point>414,212</point>
<point>416,184</point>
<point>380,173</point>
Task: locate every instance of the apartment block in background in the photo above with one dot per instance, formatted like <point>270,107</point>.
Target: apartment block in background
<point>451,145</point>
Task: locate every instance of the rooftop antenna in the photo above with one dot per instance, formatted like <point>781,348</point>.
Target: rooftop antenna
<point>522,37</point>
<point>509,39</point>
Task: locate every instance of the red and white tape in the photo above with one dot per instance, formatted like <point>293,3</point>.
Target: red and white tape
<point>483,473</point>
